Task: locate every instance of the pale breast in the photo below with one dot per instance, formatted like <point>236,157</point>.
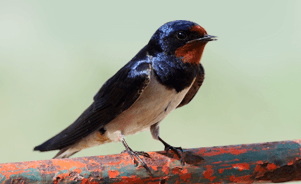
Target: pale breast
<point>154,104</point>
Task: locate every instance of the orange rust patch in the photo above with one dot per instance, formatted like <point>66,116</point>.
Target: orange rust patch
<point>55,181</point>
<point>290,163</point>
<point>84,181</point>
<point>208,173</point>
<point>113,173</point>
<point>259,162</point>
<point>271,166</point>
<point>165,169</point>
<point>219,151</point>
<point>176,170</point>
<point>154,168</point>
<point>67,163</point>
<point>212,178</point>
<point>259,171</point>
<point>186,177</point>
<point>131,179</point>
<point>201,151</point>
<point>241,179</point>
<point>237,151</point>
<point>241,166</point>
<point>220,171</point>
<point>88,181</point>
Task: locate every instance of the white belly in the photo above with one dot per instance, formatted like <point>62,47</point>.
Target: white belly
<point>154,104</point>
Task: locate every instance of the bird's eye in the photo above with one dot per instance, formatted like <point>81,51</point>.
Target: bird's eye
<point>181,35</point>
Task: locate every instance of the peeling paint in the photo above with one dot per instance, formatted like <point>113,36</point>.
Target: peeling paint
<point>113,173</point>
<point>208,173</point>
<point>220,171</point>
<point>241,166</point>
<point>266,162</point>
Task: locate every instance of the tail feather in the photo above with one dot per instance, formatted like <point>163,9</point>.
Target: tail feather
<point>44,146</point>
<point>63,153</point>
<point>66,152</point>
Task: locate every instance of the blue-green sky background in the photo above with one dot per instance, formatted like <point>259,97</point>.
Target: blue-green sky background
<point>55,55</point>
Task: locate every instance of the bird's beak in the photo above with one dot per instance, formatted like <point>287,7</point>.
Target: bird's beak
<point>206,38</point>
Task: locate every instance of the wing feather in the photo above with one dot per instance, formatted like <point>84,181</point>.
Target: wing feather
<point>114,97</point>
<point>195,87</point>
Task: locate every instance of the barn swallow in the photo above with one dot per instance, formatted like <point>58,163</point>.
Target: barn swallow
<point>164,75</point>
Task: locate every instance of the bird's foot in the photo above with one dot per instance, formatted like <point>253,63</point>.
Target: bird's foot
<point>135,155</point>
<point>142,153</point>
<point>176,150</point>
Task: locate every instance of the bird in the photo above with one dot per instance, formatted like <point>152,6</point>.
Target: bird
<point>164,75</point>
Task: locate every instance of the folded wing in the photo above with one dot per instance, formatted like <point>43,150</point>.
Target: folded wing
<point>114,97</point>
<point>195,87</point>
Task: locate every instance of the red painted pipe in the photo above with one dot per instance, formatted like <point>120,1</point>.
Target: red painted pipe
<point>263,162</point>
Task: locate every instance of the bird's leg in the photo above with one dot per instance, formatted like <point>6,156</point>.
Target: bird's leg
<point>155,129</point>
<point>135,154</point>
<point>177,150</point>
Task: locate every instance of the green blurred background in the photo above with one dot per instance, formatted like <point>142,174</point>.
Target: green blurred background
<point>55,55</point>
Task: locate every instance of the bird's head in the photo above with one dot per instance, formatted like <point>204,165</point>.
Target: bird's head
<point>184,39</point>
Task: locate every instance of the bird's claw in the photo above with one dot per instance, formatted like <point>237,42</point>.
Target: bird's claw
<point>135,154</point>
<point>176,150</point>
<point>142,153</point>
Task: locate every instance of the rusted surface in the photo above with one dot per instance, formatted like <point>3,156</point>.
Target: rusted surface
<point>265,162</point>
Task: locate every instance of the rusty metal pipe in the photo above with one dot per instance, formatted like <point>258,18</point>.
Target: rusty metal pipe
<point>262,162</point>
